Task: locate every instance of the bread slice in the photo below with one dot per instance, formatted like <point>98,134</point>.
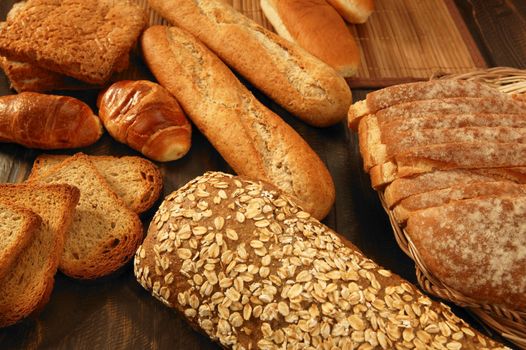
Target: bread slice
<point>46,33</point>
<point>440,197</point>
<point>429,90</point>
<point>17,230</point>
<point>28,284</point>
<point>476,247</point>
<point>137,181</point>
<point>104,233</point>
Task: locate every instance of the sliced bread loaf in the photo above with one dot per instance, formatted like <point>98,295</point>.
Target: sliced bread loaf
<point>28,284</point>
<point>137,181</point>
<point>17,229</point>
<point>104,233</point>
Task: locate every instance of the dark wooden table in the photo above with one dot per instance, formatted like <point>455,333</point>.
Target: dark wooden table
<point>117,313</point>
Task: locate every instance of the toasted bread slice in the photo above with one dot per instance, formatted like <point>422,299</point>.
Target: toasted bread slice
<point>476,247</point>
<point>104,233</point>
<point>137,181</point>
<point>440,197</point>
<point>28,284</point>
<point>435,89</point>
<point>17,230</point>
<point>40,33</point>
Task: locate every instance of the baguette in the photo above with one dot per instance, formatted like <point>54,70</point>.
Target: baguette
<point>318,28</point>
<point>252,139</point>
<point>253,270</point>
<point>296,80</point>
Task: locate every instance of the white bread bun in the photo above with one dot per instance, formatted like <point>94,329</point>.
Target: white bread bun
<point>353,11</point>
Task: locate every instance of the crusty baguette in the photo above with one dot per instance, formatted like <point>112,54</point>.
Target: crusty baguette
<point>296,80</point>
<point>47,121</point>
<point>41,33</point>
<point>318,28</point>
<point>252,139</point>
<point>476,246</point>
<point>459,192</point>
<point>256,271</point>
<point>429,90</point>
<point>28,285</point>
<point>18,227</point>
<point>104,233</point>
<point>146,117</point>
<point>354,11</point>
<point>137,181</point>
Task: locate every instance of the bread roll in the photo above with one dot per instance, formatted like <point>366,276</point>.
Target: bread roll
<point>318,28</point>
<point>246,266</point>
<point>354,11</point>
<point>302,84</point>
<point>145,116</point>
<point>47,122</point>
<point>252,139</point>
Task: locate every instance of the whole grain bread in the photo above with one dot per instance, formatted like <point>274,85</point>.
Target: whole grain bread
<point>18,227</point>
<point>104,233</point>
<point>28,285</point>
<point>251,269</point>
<point>48,33</point>
<point>137,181</point>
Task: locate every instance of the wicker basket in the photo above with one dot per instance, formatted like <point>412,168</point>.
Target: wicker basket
<point>511,324</point>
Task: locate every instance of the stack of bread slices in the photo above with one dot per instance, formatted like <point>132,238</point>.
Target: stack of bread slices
<point>450,159</point>
<point>75,213</point>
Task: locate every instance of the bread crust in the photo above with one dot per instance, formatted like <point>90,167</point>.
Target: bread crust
<point>253,140</point>
<point>354,11</point>
<point>296,80</point>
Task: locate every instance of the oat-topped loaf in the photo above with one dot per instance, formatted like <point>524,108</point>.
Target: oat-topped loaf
<point>84,39</point>
<point>248,267</point>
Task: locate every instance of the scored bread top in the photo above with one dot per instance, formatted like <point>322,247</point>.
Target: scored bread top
<point>104,233</point>
<point>17,230</point>
<point>137,181</point>
<point>244,264</point>
<point>82,39</point>
<point>28,285</point>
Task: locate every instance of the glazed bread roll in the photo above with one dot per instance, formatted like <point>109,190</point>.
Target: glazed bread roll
<point>354,11</point>
<point>145,116</point>
<point>252,139</point>
<point>47,121</point>
<point>318,28</point>
<point>247,267</point>
<point>298,81</point>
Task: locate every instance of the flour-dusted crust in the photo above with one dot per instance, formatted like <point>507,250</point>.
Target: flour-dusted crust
<point>250,269</point>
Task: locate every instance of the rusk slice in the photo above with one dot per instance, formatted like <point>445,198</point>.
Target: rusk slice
<point>440,197</point>
<point>17,230</point>
<point>28,285</point>
<point>82,39</point>
<point>137,181</point>
<point>435,89</point>
<point>104,233</point>
<point>476,247</point>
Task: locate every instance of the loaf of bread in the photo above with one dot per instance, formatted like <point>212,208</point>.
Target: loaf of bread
<point>145,116</point>
<point>246,266</point>
<point>85,40</point>
<point>254,141</point>
<point>354,11</point>
<point>47,121</point>
<point>318,28</point>
<point>296,80</point>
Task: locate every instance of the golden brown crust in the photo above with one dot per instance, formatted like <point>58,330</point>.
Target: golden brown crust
<point>298,81</point>
<point>252,139</point>
<point>244,264</point>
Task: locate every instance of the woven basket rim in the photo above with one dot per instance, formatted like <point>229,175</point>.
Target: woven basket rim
<point>511,324</point>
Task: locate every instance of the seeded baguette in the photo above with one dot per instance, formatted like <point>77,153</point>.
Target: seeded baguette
<point>301,83</point>
<point>251,138</point>
<point>17,230</point>
<point>248,267</point>
<point>137,181</point>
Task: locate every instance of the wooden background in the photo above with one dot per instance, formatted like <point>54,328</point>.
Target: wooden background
<point>116,313</point>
